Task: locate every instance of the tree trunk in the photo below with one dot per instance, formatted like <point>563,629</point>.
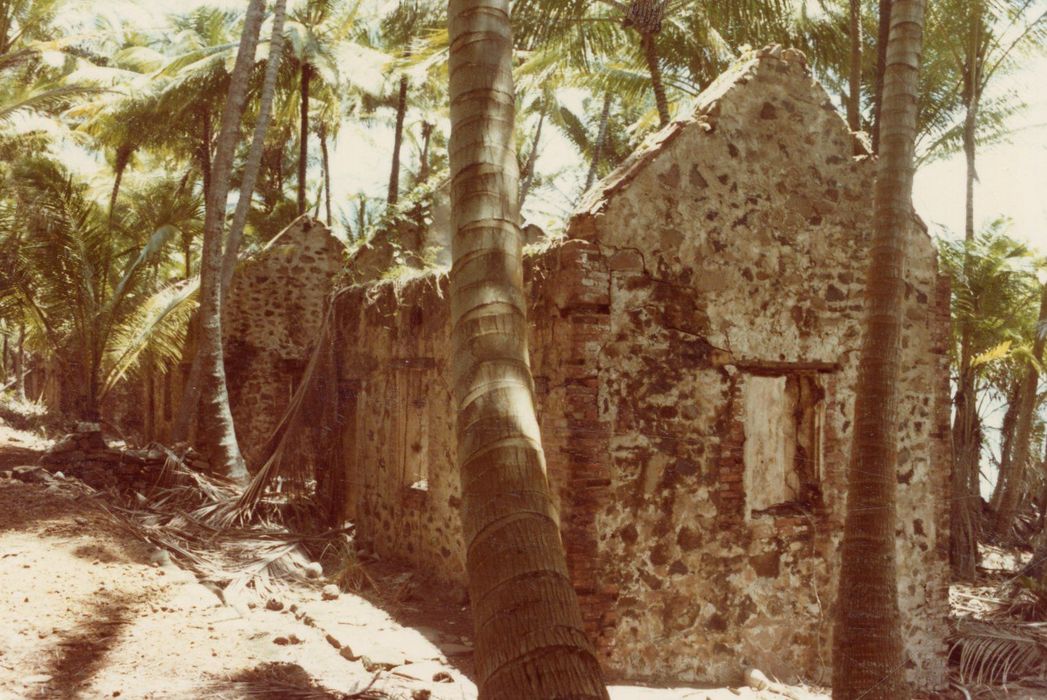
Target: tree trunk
<point>217,432</point>
<point>325,154</point>
<point>303,137</point>
<point>529,637</point>
<point>1010,418</point>
<point>1010,499</point>
<point>398,139</point>
<point>650,54</point>
<point>204,155</point>
<point>854,97</point>
<point>881,68</point>
<point>868,654</point>
<point>122,160</point>
<point>423,166</point>
<point>965,493</point>
<point>254,156</point>
<point>601,140</point>
<point>20,365</point>
<point>532,159</point>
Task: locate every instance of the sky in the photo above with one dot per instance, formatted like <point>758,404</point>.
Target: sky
<point>1012,176</point>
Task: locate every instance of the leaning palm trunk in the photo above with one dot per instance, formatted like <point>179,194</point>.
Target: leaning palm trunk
<point>1014,488</point>
<point>868,655</point>
<point>650,53</point>
<point>529,638</point>
<point>217,433</point>
<point>254,157</point>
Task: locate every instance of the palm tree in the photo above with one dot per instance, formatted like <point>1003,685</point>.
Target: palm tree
<point>868,654</point>
<point>1012,480</point>
<point>974,42</point>
<point>530,641</point>
<point>254,157</point>
<point>218,434</point>
<point>88,289</point>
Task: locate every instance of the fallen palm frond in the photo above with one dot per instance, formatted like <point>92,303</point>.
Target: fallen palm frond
<point>177,515</point>
<point>999,652</point>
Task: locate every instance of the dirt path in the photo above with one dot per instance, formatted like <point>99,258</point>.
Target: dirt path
<point>91,611</point>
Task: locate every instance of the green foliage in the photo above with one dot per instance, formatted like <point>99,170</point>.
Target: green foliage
<point>995,296</point>
<point>89,287</point>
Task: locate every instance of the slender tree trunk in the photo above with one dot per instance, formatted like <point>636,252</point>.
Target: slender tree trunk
<point>868,654</point>
<point>303,137</point>
<point>601,141</point>
<point>966,497</point>
<point>529,637</point>
<point>123,159</point>
<point>881,68</point>
<point>532,159</point>
<point>325,154</point>
<point>1010,419</point>
<point>217,434</point>
<point>650,54</point>
<point>254,156</point>
<point>204,155</point>
<point>20,365</point>
<point>361,218</point>
<point>398,139</point>
<point>1010,499</point>
<point>187,256</point>
<point>423,167</point>
<point>854,96</point>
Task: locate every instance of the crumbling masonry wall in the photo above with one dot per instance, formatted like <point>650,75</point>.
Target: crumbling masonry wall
<point>695,344</point>
<point>271,320</point>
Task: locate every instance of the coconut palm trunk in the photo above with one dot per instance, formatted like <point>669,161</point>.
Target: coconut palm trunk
<point>529,638</point>
<point>20,365</point>
<point>868,654</point>
<point>398,139</point>
<point>1014,489</point>
<point>854,81</point>
<point>963,546</point>
<point>303,136</point>
<point>217,433</point>
<point>650,54</point>
<point>1007,426</point>
<point>326,155</point>
<point>882,38</point>
<point>254,156</point>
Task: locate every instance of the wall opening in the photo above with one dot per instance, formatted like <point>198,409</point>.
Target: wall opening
<point>784,415</point>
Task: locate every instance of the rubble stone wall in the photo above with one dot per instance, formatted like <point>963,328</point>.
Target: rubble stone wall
<point>694,344</point>
<point>271,320</point>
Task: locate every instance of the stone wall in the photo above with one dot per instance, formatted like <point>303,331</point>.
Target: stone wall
<point>271,320</point>
<point>694,344</point>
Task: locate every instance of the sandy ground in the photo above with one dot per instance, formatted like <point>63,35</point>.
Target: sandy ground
<point>90,611</point>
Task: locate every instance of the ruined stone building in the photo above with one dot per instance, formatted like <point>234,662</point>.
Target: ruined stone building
<point>270,322</point>
<point>694,341</point>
